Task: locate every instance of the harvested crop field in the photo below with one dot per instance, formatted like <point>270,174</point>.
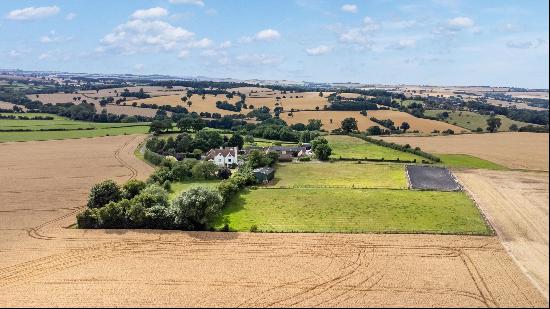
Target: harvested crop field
<point>516,203</point>
<point>42,263</point>
<point>7,105</point>
<point>513,150</point>
<point>128,110</point>
<point>431,178</point>
<point>198,104</point>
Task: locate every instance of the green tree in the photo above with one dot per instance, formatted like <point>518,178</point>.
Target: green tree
<point>132,188</point>
<point>323,152</point>
<point>513,127</point>
<point>204,170</point>
<point>493,124</point>
<point>196,208</point>
<point>314,124</point>
<point>349,125</point>
<point>104,193</point>
<point>405,126</point>
<point>236,140</point>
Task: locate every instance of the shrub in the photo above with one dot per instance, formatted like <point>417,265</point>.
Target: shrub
<point>254,228</point>
<point>160,175</point>
<point>228,188</point>
<point>132,188</point>
<point>183,170</point>
<point>204,170</point>
<point>113,215</point>
<point>304,159</point>
<point>104,193</point>
<point>88,219</point>
<point>195,208</point>
<point>153,158</point>
<point>224,173</point>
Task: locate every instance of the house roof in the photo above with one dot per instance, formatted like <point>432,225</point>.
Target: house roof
<point>224,152</point>
<point>264,170</point>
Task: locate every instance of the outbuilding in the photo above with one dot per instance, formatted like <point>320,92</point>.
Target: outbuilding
<point>264,174</point>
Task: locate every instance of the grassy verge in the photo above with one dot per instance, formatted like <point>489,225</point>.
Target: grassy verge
<point>354,211</point>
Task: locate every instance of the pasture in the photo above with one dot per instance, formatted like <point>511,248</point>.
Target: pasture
<point>354,211</point>
<point>462,161</point>
<point>340,174</point>
<point>472,121</point>
<point>351,147</point>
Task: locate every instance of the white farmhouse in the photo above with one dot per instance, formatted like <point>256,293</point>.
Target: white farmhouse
<point>223,157</point>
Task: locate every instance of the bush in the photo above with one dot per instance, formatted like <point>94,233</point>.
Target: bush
<point>304,159</point>
<point>132,188</point>
<point>160,175</point>
<point>113,215</point>
<point>183,169</point>
<point>254,229</point>
<point>88,219</point>
<point>104,193</point>
<point>224,173</point>
<point>195,208</point>
<point>153,158</point>
<point>204,170</point>
<point>228,188</point>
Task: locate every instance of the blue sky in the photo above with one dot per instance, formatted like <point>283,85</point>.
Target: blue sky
<point>438,42</point>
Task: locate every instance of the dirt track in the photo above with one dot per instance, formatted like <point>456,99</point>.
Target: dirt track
<point>44,264</point>
<point>514,150</point>
<point>516,203</point>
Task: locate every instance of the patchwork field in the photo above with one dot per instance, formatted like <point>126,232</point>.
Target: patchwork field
<point>516,203</point>
<point>351,147</point>
<point>127,110</point>
<point>198,104</point>
<point>472,121</point>
<point>42,263</point>
<point>529,150</point>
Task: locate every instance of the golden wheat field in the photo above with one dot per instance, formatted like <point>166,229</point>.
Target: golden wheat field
<point>46,262</point>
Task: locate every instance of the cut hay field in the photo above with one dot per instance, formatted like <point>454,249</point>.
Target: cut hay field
<point>363,123</point>
<point>153,91</point>
<point>518,150</point>
<point>340,174</point>
<point>354,211</point>
<point>128,110</point>
<point>472,121</point>
<point>7,105</point>
<point>45,264</point>
<point>198,104</point>
<point>351,147</point>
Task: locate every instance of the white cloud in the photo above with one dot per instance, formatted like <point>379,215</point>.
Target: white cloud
<point>460,22</point>
<point>70,16</point>
<point>258,59</point>
<point>15,54</point>
<point>404,43</point>
<point>52,37</point>
<point>526,44</point>
<point>139,67</point>
<point>349,8</point>
<point>155,12</point>
<point>319,50</point>
<point>226,44</point>
<point>145,36</point>
<point>360,35</point>
<point>183,54</point>
<point>203,43</point>
<point>193,2</point>
<point>268,35</point>
<point>32,13</point>
<point>44,56</point>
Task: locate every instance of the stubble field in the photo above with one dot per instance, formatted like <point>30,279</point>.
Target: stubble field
<point>43,263</point>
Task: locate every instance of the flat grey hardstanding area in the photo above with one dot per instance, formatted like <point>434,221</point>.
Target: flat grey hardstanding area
<point>431,178</point>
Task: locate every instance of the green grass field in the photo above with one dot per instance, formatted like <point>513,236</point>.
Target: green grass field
<point>354,211</point>
<point>51,135</point>
<point>472,121</point>
<point>467,161</point>
<point>73,129</point>
<point>340,174</point>
<point>178,187</point>
<point>351,147</point>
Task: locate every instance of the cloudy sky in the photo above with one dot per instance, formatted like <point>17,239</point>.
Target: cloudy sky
<point>443,42</point>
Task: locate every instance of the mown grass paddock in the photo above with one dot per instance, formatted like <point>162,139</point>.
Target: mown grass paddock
<point>344,146</point>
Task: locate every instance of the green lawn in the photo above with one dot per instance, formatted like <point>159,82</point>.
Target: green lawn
<point>49,135</point>
<point>351,147</point>
<point>262,142</point>
<point>354,211</point>
<point>178,187</point>
<point>340,174</point>
<point>467,161</point>
<point>472,121</point>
